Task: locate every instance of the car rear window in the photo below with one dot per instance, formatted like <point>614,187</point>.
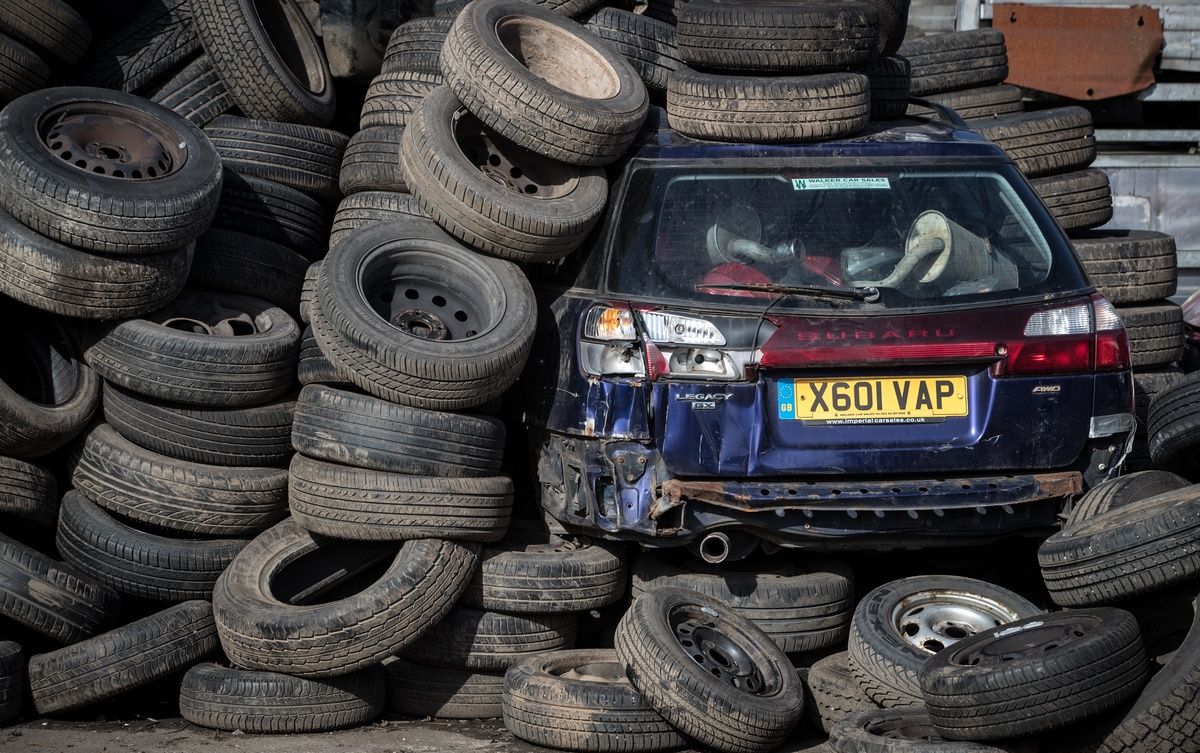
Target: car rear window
<point>921,237</point>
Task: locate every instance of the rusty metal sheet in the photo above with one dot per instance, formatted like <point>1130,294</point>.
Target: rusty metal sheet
<point>1080,53</point>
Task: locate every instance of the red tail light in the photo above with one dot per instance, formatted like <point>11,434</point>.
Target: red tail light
<point>1076,339</point>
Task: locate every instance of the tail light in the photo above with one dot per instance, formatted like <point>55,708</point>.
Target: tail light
<point>620,341</point>
<point>1080,338</point>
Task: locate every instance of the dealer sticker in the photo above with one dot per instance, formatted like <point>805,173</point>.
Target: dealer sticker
<point>838,184</point>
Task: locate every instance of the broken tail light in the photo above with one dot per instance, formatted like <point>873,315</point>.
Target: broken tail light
<point>619,341</point>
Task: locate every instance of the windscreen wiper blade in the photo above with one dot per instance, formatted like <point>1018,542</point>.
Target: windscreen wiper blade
<point>867,294</point>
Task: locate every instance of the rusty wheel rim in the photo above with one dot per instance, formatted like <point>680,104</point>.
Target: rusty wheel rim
<point>111,141</point>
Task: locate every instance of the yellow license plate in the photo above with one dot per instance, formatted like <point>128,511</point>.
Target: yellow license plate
<point>876,400</point>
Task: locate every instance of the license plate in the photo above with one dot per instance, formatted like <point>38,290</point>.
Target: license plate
<point>879,400</point>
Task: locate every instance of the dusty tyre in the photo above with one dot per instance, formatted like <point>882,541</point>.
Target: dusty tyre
<point>394,96</point>
<point>196,93</point>
<point>123,659</point>
<point>1035,675</point>
<point>231,699</point>
<point>52,598</point>
<point>582,701</point>
<point>463,175</point>
<point>647,43</point>
<point>1137,549</point>
<point>248,265</point>
<point>897,627</point>
<point>1156,333</point>
<point>757,109</point>
<point>372,162</point>
<point>688,654</point>
<point>777,37</point>
<point>1077,200</point>
<point>957,60</point>
<point>303,157</point>
<point>889,88</point>
<point>153,187</point>
<point>268,58</point>
<point>802,606</point>
<point>12,680</point>
<point>442,693</point>
<point>28,493</point>
<point>366,432</point>
<point>544,82</point>
<point>1172,425</point>
<point>21,70</point>
<point>1045,142</point>
<point>47,394</point>
<point>143,49</point>
<point>211,349</point>
<point>412,317</point>
<point>51,26</point>
<point>1128,266</point>
<point>832,692</point>
<point>1122,492</point>
<point>273,212</point>
<point>416,45</point>
<point>178,495</point>
<point>472,639</point>
<point>260,631</point>
<point>367,505</point>
<point>135,562</point>
<point>312,367</point>
<point>898,731</point>
<point>983,102</point>
<point>372,208</point>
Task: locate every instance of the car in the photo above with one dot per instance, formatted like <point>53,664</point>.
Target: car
<point>879,342</point>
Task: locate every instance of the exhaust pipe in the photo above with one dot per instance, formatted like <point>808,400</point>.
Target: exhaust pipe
<point>714,548</point>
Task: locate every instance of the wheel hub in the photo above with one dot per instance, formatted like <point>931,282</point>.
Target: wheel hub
<point>421,324</point>
<point>932,620</point>
<point>109,145</point>
<point>719,654</point>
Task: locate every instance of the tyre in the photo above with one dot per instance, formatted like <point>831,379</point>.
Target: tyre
<point>268,58</point>
<point>121,660</point>
<point>984,102</point>
<point>1137,549</point>
<point>138,563</point>
<point>893,22</point>
<point>1156,333</point>
<point>178,495</point>
<point>1146,386</point>
<point>153,189</point>
<point>302,157</point>
<point>28,494</point>
<point>442,693</point>
<point>143,49</point>
<point>462,174</point>
<point>648,44</point>
<point>247,265</point>
<point>21,70</point>
<point>273,212</point>
<point>232,699</point>
<point>889,88</point>
<point>314,368</point>
<point>207,349</point>
<point>52,598</point>
<point>1173,423</point>
<point>196,93</point>
<point>372,162</point>
<point>537,572</point>
<point>582,701</point>
<point>1128,266</point>
<point>1123,491</point>
<point>377,317</point>
<point>803,607</point>
<point>833,693</point>
<point>1045,142</point>
<point>366,432</point>
<point>47,393</point>
<point>237,437</point>
<point>367,505</point>
<point>544,82</point>
<point>50,26</point>
<point>688,654</point>
<point>470,639</point>
<point>1035,675</point>
<point>416,45</point>
<point>898,731</point>
<point>12,680</point>
<point>393,97</point>
<point>755,109</point>
<point>897,627</point>
<point>957,60</point>
<point>258,630</point>
<point>1078,200</point>
<point>777,37</point>
<point>371,208</point>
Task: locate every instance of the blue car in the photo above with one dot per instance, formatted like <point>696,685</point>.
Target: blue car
<point>881,342</point>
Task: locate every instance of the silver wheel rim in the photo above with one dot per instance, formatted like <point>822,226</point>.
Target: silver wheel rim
<point>931,620</point>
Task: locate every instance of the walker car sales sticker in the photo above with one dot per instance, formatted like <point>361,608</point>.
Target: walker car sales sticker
<point>838,184</point>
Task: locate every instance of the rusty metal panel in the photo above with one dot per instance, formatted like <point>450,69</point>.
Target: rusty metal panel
<point>1077,52</point>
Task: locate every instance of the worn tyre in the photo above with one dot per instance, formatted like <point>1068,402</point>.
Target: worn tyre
<point>210,349</point>
<point>248,265</point>
<point>832,692</point>
<point>898,731</point>
<point>1173,424</point>
<point>957,60</point>
<point>777,37</point>
<point>196,93</point>
<point>394,96</point>
<point>710,673</point>
<point>442,693</point>
<point>1122,492</point>
<point>232,699</point>
<point>268,57</point>
<point>258,631</point>
<point>50,26</point>
<point>1128,266</point>
<point>157,194</point>
<point>897,627</point>
<point>889,88</point>
<point>582,701</point>
<point>647,43</point>
<point>757,109</point>
<point>984,102</point>
<point>273,212</point>
<point>300,156</point>
<point>28,494</point>
<point>472,639</point>
<point>178,495</point>
<point>1035,675</point>
<point>372,162</point>
<point>21,70</point>
<point>120,660</point>
<point>143,49</point>
<point>12,680</point>
<point>1045,142</point>
<point>366,432</point>
<point>1077,200</point>
<point>399,272</point>
<point>1155,332</point>
<point>1146,387</point>
<point>372,208</point>
<point>544,82</point>
<point>314,368</point>
<point>416,45</point>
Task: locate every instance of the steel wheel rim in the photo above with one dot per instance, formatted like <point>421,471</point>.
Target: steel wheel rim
<point>509,165</point>
<point>111,141</point>
<point>1033,638</point>
<point>933,619</point>
<point>213,316</point>
<point>708,641</point>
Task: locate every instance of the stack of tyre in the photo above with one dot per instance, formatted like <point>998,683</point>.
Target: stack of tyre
<point>36,38</point>
<point>964,71</point>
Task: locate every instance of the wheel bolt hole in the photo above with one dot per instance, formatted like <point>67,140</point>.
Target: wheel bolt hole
<point>56,145</point>
<point>151,172</point>
<point>438,301</point>
<point>494,160</point>
<point>686,644</point>
<point>956,633</point>
<point>460,316</point>
<point>118,174</point>
<point>515,172</point>
<point>136,174</point>
<point>531,188</point>
<point>98,169</point>
<point>81,163</point>
<point>716,672</point>
<point>911,629</point>
<point>411,294</point>
<point>934,646</point>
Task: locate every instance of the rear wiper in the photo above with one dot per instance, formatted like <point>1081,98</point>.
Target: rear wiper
<point>867,294</point>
